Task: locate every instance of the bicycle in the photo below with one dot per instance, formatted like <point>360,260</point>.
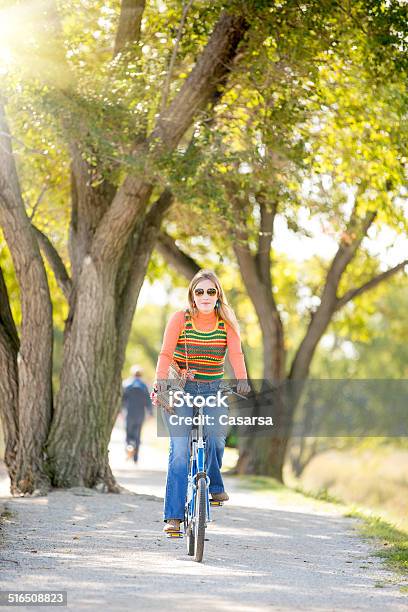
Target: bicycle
<point>197,505</point>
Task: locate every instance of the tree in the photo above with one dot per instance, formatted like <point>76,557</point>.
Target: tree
<point>117,204</point>
<point>337,118</point>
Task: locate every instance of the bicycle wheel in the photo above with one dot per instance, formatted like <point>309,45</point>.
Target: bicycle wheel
<point>201,510</point>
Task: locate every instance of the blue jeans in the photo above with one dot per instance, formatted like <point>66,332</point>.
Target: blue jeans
<point>177,475</point>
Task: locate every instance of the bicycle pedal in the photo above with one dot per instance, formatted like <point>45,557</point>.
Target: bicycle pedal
<point>214,502</point>
<point>174,534</point>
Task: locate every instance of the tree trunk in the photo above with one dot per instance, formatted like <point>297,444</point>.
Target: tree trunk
<point>266,455</point>
<point>94,351</point>
<point>90,387</point>
<point>262,454</point>
<point>35,352</point>
<point>112,234</point>
<point>9,345</point>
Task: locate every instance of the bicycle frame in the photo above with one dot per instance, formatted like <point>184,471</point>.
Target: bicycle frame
<point>197,468</point>
<point>197,511</point>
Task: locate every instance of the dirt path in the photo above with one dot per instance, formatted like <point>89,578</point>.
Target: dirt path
<point>262,552</point>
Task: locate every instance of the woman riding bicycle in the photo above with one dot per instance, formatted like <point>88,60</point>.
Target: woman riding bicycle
<point>206,330</point>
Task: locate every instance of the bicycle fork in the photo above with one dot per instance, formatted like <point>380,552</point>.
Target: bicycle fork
<point>197,470</point>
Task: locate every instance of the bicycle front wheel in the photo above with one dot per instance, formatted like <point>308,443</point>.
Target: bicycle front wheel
<point>201,511</point>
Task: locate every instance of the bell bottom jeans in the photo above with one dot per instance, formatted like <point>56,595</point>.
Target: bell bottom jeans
<point>179,452</point>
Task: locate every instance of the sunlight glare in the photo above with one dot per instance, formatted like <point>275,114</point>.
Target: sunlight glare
<point>6,59</point>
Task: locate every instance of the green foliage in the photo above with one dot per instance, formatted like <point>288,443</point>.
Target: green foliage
<point>357,141</point>
<point>312,118</point>
<point>393,542</point>
<point>322,495</point>
<point>368,338</point>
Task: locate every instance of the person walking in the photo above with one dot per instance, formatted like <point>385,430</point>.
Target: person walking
<point>206,329</point>
<point>136,401</point>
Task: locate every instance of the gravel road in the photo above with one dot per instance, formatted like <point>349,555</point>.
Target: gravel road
<point>262,552</point>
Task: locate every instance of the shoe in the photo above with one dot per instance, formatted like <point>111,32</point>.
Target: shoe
<point>222,496</point>
<point>172,525</point>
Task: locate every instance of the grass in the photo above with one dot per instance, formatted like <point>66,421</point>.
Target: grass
<point>393,541</point>
<point>267,484</point>
<point>284,495</point>
<point>321,495</point>
<point>260,483</point>
<point>370,477</point>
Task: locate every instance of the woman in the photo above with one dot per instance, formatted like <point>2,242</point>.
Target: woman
<point>211,328</point>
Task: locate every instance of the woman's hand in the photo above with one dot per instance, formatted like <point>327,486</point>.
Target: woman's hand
<point>243,387</point>
<point>161,391</point>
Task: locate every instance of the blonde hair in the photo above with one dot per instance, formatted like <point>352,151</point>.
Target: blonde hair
<point>222,309</point>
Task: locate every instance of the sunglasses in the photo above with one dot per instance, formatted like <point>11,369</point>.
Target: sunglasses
<point>210,291</point>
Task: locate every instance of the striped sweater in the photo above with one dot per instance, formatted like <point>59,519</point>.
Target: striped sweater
<point>207,343</point>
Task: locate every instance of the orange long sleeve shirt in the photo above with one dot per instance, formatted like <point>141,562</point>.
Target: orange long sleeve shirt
<point>203,322</point>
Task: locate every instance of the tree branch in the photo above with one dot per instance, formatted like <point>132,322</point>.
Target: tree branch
<point>263,258</point>
<point>373,282</point>
<point>89,204</point>
<point>131,279</point>
<point>130,20</point>
<point>38,202</point>
<point>176,257</point>
<point>255,273</point>
<point>349,243</point>
<point>54,259</point>
<point>166,88</point>
<point>256,267</point>
<point>210,71</point>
